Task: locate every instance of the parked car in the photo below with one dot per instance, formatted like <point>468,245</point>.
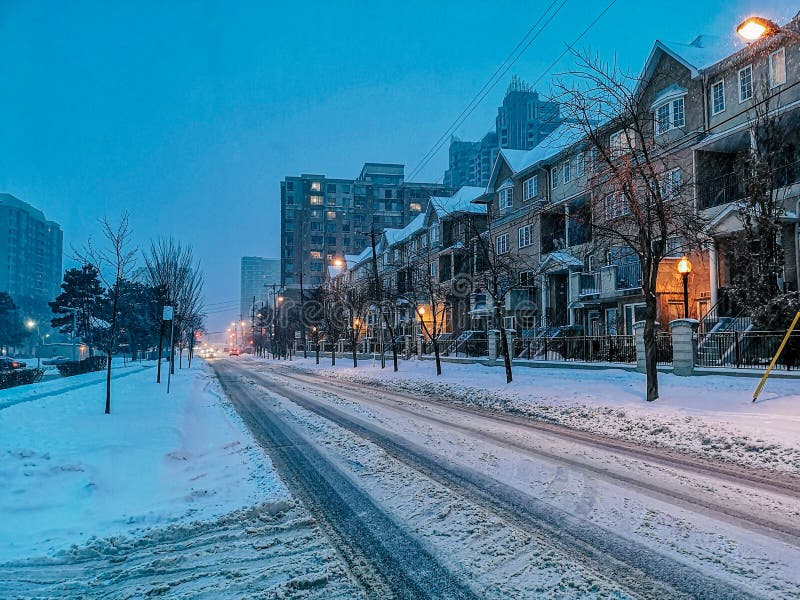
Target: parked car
<point>10,364</point>
<point>234,352</point>
<point>56,360</point>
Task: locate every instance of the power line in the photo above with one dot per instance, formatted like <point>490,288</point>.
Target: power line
<point>491,83</point>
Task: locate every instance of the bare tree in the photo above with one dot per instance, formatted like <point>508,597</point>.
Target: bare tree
<point>113,262</point>
<point>189,309</point>
<point>169,264</point>
<point>640,182</point>
<point>355,299</point>
<point>333,318</point>
<point>383,303</point>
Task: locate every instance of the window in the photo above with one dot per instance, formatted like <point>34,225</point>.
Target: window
<point>316,266</point>
<point>315,214</point>
<point>415,207</point>
<point>316,200</point>
<point>621,143</point>
<point>331,214</point>
<point>525,236</point>
<point>387,193</point>
<point>746,83</point>
<point>331,240</point>
<point>434,233</point>
<point>290,186</point>
<point>670,115</point>
<point>777,67</point>
<point>316,240</point>
<point>530,187</point>
<point>331,187</point>
<point>345,189</point>
<point>316,254</point>
<point>290,199</point>
<point>580,164</point>
<point>674,247</point>
<point>554,177</point>
<point>501,244</point>
<point>616,205</point>
<point>316,186</point>
<point>433,269</point>
<point>506,197</point>
<point>567,170</point>
<point>672,184</point>
<point>718,97</point>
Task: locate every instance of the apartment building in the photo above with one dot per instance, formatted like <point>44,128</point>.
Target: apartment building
<point>322,218</point>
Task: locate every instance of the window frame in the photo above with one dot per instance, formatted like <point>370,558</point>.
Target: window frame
<point>715,112</point>
<point>505,245</point>
<point>528,236</point>
<point>739,80</point>
<point>772,82</point>
<point>505,198</point>
<point>660,125</point>
<point>566,171</point>
<point>531,182</point>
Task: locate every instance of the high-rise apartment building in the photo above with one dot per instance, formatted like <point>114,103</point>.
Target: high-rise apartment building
<point>31,250</point>
<point>258,277</point>
<point>523,120</point>
<point>323,219</point>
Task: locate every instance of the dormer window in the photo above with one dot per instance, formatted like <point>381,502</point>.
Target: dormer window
<point>530,188</point>
<point>670,115</point>
<point>433,233</point>
<point>505,195</point>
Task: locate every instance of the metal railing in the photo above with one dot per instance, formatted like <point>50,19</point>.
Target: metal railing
<point>589,283</point>
<point>733,186</point>
<point>629,275</point>
<point>605,348</point>
<point>748,350</point>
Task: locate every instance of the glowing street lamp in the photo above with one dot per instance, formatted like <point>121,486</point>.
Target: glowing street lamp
<point>754,28</point>
<point>684,268</point>
<point>421,310</point>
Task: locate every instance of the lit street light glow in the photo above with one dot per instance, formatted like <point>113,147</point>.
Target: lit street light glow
<point>754,28</point>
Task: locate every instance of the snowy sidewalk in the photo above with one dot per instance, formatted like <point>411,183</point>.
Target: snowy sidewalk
<point>712,416</point>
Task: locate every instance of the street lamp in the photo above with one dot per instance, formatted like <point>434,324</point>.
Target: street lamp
<point>754,28</point>
<point>684,268</point>
<point>30,324</point>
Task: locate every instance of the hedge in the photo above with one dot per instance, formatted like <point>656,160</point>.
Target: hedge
<point>87,365</point>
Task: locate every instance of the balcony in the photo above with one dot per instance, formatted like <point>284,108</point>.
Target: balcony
<point>731,187</point>
<point>589,283</point>
<point>629,276</point>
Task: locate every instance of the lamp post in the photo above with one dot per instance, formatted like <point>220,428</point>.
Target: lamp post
<point>754,28</point>
<point>684,268</point>
<point>30,324</point>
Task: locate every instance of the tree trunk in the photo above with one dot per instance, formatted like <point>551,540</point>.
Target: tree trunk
<point>160,348</point>
<point>111,349</point>
<point>394,354</point>
<point>503,341</point>
<point>355,355</point>
<point>650,349</point>
<point>436,355</point>
<point>333,355</point>
<point>317,351</point>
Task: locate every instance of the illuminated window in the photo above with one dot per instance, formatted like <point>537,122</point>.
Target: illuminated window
<point>331,214</point>
<point>316,186</point>
<point>777,68</point>
<point>415,206</point>
<point>317,200</point>
<point>316,254</point>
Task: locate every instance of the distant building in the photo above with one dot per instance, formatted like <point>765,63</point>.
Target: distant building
<point>322,219</point>
<point>31,249</point>
<point>523,120</point>
<point>258,274</point>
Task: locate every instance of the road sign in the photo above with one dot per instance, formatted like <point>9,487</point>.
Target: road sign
<point>168,313</point>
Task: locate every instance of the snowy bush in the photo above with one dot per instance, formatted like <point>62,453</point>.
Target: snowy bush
<point>17,377</point>
<point>87,365</point>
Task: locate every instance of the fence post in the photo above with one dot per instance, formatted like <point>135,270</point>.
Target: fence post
<point>510,342</point>
<point>738,350</point>
<point>684,346</point>
<point>493,334</point>
<point>638,338</point>
<point>419,346</point>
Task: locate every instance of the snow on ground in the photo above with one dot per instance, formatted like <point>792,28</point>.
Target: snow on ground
<point>709,415</point>
<point>168,491</point>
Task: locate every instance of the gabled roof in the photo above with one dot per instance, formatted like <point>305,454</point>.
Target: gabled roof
<point>353,260</point>
<point>461,201</point>
<point>701,53</point>
<point>561,138</point>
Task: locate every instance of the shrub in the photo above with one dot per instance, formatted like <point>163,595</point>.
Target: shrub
<point>87,365</point>
<point>9,379</point>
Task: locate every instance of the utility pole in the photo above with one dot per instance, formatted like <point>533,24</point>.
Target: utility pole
<point>253,326</point>
<point>302,317</point>
<point>274,321</point>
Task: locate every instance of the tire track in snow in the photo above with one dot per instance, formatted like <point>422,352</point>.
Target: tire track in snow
<point>382,556</point>
<point>632,565</point>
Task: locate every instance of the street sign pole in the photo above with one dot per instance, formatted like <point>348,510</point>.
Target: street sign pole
<point>169,315</point>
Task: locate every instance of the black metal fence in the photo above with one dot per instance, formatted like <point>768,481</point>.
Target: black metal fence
<point>607,348</point>
<point>748,350</point>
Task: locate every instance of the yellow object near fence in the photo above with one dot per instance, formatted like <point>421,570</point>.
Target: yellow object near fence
<point>777,355</point>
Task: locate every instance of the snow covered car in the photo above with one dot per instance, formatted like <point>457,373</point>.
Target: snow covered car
<point>56,360</point>
<point>9,364</point>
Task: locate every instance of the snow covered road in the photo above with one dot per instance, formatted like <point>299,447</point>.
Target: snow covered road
<point>610,520</point>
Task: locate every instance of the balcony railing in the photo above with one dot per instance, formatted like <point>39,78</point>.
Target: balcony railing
<point>629,275</point>
<point>731,187</point>
<point>589,283</point>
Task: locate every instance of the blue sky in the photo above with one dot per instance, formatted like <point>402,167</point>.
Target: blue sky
<point>189,114</point>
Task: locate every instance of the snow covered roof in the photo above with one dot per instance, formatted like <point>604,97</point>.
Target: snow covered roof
<point>561,258</point>
<point>702,52</point>
<point>562,137</point>
<point>396,236</point>
<point>669,92</point>
<point>461,201</point>
<point>353,260</point>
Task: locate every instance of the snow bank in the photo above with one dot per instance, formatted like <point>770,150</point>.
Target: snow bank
<point>712,416</point>
<point>69,473</point>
